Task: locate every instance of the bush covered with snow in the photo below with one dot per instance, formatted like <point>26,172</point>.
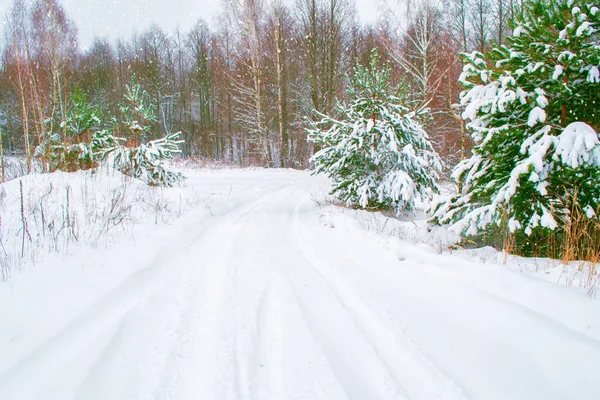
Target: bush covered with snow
<point>378,154</point>
<point>533,112</point>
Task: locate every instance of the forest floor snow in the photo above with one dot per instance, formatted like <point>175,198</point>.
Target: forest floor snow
<point>259,288</point>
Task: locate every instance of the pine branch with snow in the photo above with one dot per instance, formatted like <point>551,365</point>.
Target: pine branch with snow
<point>145,161</point>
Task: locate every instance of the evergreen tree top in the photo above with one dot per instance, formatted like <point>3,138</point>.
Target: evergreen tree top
<point>552,62</point>
<point>370,82</point>
<point>81,116</point>
<point>136,106</point>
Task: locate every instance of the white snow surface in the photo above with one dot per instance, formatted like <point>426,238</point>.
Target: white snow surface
<point>578,145</point>
<point>264,290</point>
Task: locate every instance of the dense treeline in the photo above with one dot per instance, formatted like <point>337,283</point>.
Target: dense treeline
<point>242,89</point>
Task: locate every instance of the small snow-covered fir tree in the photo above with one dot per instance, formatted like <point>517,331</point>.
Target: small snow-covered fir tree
<point>145,161</point>
<point>137,114</point>
<point>533,107</point>
<point>81,116</point>
<point>141,161</point>
<point>377,154</point>
<point>67,148</point>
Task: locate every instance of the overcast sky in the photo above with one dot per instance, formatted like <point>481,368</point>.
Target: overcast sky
<point>120,18</point>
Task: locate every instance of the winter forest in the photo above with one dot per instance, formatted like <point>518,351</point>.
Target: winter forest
<point>287,201</point>
<point>247,88</point>
<point>241,88</point>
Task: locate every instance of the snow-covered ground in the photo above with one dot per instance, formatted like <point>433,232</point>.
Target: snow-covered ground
<point>252,286</point>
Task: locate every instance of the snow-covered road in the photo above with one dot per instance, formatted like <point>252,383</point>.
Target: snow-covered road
<point>264,301</point>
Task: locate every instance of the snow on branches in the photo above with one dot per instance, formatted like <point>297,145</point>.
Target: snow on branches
<point>145,161</point>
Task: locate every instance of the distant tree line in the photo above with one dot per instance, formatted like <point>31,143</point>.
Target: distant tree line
<point>243,89</point>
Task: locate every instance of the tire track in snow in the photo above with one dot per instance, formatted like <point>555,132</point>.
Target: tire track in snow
<point>257,267</point>
<point>160,279</point>
<point>362,373</point>
<point>258,305</point>
<point>203,359</point>
<point>359,370</point>
<point>415,376</point>
<point>494,349</point>
<point>109,309</point>
<point>259,342</point>
<point>268,377</point>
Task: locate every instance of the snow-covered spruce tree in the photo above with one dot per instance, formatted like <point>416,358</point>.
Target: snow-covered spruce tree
<point>533,107</point>
<point>142,161</point>
<point>377,154</point>
<point>80,119</point>
<point>145,161</point>
<point>65,145</point>
<point>137,114</point>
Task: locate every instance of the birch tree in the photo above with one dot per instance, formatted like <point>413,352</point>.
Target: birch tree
<point>17,37</point>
